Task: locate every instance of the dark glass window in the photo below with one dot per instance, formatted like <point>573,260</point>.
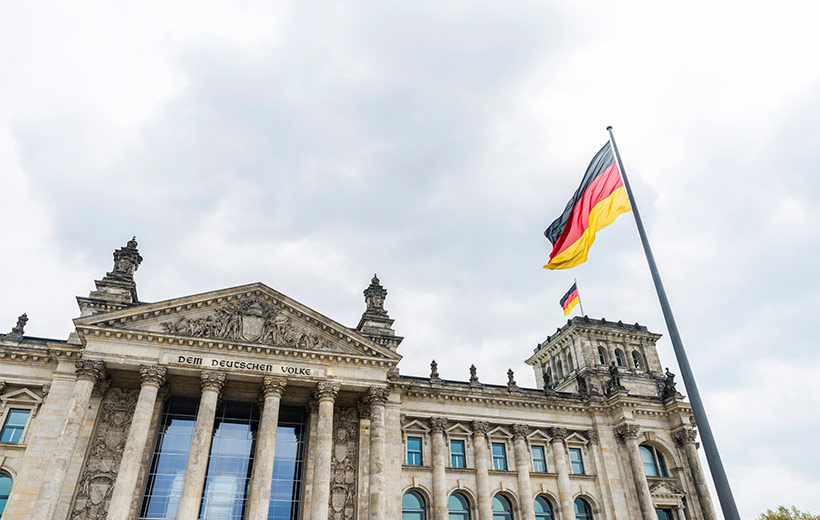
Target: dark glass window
<point>601,356</point>
<point>654,464</point>
<point>414,451</point>
<point>502,509</point>
<point>543,509</point>
<point>288,463</point>
<point>665,514</point>
<point>167,472</point>
<point>576,461</point>
<point>619,358</point>
<point>458,507</point>
<point>582,510</point>
<point>636,359</point>
<point>14,425</point>
<point>539,461</point>
<point>457,454</point>
<point>5,491</point>
<point>412,507</point>
<point>499,456</point>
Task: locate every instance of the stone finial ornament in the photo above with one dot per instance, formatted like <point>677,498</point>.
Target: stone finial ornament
<point>126,261</point>
<point>374,297</point>
<point>376,324</point>
<point>434,371</point>
<point>18,329</point>
<point>473,375</point>
<point>511,379</point>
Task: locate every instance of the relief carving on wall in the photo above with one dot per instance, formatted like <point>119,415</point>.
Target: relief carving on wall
<point>103,460</point>
<point>344,464</point>
<point>251,320</point>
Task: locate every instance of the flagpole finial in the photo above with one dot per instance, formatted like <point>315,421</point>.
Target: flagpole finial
<point>609,128</point>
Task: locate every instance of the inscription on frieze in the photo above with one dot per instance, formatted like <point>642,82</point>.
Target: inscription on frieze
<point>242,365</point>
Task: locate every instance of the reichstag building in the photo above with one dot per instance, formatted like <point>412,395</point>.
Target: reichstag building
<point>242,403</point>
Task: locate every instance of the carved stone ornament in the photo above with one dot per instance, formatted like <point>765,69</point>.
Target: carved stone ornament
<point>153,375</point>
<point>327,390</point>
<point>18,330</point>
<point>685,436</point>
<point>90,369</point>
<point>473,375</point>
<point>212,380</point>
<point>511,379</point>
<point>558,434</point>
<point>254,321</point>
<point>96,483</point>
<point>434,371</point>
<point>344,464</point>
<point>438,424</point>
<point>374,297</point>
<point>274,386</point>
<point>126,262</point>
<point>592,435</point>
<point>364,409</point>
<point>376,395</point>
<point>520,430</point>
<point>481,427</point>
<point>628,431</point>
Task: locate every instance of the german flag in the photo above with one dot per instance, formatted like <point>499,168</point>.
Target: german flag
<point>595,205</point>
<point>571,299</point>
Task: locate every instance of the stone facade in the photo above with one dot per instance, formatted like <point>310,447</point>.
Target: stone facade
<point>604,412</point>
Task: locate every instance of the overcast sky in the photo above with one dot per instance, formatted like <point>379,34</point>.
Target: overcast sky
<point>308,145</point>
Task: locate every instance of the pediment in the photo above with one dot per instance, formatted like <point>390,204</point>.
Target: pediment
<point>254,315</point>
<point>21,396</point>
<point>417,426</point>
<point>536,435</point>
<point>665,489</point>
<point>458,429</point>
<point>576,438</point>
<point>500,431</point>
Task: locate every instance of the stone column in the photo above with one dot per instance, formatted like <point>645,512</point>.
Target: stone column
<point>125,487</point>
<point>326,394</point>
<point>629,434</point>
<point>89,373</point>
<point>559,454</point>
<point>522,465</point>
<point>686,438</point>
<point>482,466</point>
<point>440,507</point>
<point>189,503</point>
<point>259,496</point>
<point>376,397</point>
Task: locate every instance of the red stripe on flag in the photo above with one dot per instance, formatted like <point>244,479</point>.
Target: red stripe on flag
<point>570,298</point>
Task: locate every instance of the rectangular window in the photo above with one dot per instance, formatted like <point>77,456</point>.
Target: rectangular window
<point>414,451</point>
<point>576,461</point>
<point>457,454</point>
<point>14,426</point>
<point>499,456</point>
<point>539,461</point>
<point>665,514</point>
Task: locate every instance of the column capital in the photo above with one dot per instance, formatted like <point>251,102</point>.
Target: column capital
<point>212,380</point>
<point>558,434</point>
<point>628,431</point>
<point>480,427</point>
<point>376,395</point>
<point>90,370</point>
<point>520,430</point>
<point>153,375</point>
<point>327,390</point>
<point>685,436</point>
<point>438,424</point>
<point>592,435</point>
<point>274,386</point>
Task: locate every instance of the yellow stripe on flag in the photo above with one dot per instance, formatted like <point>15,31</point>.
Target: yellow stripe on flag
<point>571,305</point>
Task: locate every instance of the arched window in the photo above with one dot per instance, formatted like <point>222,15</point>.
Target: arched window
<point>559,368</point>
<point>569,362</point>
<point>636,360</point>
<point>459,507</point>
<point>582,510</point>
<point>502,509</point>
<point>654,464</point>
<point>543,509</point>
<point>619,358</point>
<point>412,507</point>
<point>5,491</point>
<point>602,355</point>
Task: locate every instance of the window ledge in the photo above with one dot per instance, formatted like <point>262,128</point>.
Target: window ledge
<point>542,474</point>
<point>502,472</point>
<point>15,446</point>
<point>588,476</point>
<point>413,466</point>
<point>461,470</point>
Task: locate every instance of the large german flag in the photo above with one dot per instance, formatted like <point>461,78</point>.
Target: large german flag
<point>595,205</point>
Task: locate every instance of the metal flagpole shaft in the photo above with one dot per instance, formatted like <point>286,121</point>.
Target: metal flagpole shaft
<point>580,302</point>
<point>727,501</point>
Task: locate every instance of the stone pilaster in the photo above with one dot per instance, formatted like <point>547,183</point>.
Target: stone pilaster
<point>89,373</point>
<point>522,466</point>
<point>439,464</point>
<point>687,438</point>
<point>376,397</point>
<point>629,433</point>
<point>125,487</point>
<point>211,383</point>
<point>326,392</point>
<point>259,498</point>
<point>482,467</point>
<point>559,453</point>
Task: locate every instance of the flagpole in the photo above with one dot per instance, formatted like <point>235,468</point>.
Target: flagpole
<point>727,501</point>
<point>580,303</point>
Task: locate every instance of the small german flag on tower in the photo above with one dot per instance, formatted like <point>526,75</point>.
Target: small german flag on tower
<point>571,299</point>
<point>595,205</point>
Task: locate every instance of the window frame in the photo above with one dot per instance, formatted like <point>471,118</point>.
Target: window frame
<point>543,449</point>
<point>546,515</point>
<point>637,360</point>
<point>503,457</point>
<point>580,461</point>
<point>620,360</point>
<point>463,454</point>
<point>20,399</point>
<point>424,501</point>
<point>658,460</point>
<point>469,507</point>
<point>23,430</point>
<point>420,451</point>
<point>588,514</point>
